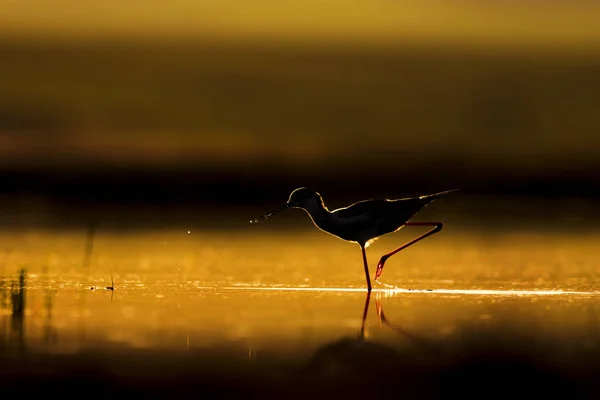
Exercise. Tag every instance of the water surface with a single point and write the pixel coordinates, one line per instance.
(256, 308)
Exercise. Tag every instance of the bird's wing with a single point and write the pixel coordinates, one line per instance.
(374, 208)
(388, 215)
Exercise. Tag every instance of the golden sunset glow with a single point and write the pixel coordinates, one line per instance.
(494, 22)
(142, 142)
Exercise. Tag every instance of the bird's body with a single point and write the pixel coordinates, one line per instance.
(364, 221)
(367, 220)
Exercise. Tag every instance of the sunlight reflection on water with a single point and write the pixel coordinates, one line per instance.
(210, 290)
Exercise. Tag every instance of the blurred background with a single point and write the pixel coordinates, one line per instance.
(148, 108)
(139, 138)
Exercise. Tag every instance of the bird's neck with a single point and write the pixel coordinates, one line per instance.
(319, 213)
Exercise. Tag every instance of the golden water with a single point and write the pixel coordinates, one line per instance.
(263, 300)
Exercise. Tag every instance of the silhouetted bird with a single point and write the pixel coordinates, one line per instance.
(363, 222)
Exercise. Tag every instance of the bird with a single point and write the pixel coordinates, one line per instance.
(363, 222)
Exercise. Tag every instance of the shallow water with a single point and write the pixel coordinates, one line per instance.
(277, 304)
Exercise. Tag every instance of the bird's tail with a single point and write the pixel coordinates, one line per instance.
(440, 194)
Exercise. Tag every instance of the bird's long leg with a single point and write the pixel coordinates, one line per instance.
(364, 255)
(437, 227)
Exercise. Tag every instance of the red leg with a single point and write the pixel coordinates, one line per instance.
(437, 228)
(366, 268)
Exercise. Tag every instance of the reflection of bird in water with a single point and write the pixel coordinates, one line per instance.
(421, 342)
(361, 368)
(349, 356)
(352, 354)
(363, 222)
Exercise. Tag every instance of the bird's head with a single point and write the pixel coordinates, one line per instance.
(304, 198)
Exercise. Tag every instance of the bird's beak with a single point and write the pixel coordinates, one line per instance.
(267, 215)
